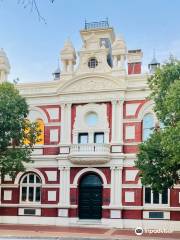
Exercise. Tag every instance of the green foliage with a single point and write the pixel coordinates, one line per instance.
(13, 131)
(159, 156)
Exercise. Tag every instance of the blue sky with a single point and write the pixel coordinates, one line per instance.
(33, 47)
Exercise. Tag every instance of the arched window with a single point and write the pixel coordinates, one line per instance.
(41, 129)
(30, 188)
(148, 126)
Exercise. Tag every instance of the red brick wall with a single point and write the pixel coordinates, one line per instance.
(45, 176)
(137, 196)
(44, 108)
(138, 130)
(175, 215)
(124, 176)
(44, 194)
(132, 214)
(141, 103)
(130, 148)
(174, 197)
(49, 212)
(8, 211)
(15, 195)
(47, 130)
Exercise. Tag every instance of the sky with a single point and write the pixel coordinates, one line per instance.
(33, 47)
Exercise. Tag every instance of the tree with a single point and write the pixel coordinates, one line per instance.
(159, 156)
(17, 134)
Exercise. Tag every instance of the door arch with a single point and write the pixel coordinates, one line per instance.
(90, 197)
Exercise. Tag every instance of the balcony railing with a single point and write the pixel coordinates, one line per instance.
(89, 153)
(90, 148)
(97, 25)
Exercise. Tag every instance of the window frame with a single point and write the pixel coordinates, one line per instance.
(160, 199)
(92, 62)
(100, 133)
(27, 185)
(83, 134)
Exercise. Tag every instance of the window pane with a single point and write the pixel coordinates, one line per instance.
(37, 194)
(147, 195)
(155, 197)
(31, 178)
(25, 180)
(37, 179)
(24, 193)
(165, 197)
(31, 194)
(83, 138)
(99, 138)
(148, 125)
(147, 133)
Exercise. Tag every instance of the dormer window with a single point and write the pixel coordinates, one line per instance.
(92, 63)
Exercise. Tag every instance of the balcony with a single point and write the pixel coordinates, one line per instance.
(89, 153)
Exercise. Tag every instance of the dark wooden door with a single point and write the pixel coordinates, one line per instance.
(90, 198)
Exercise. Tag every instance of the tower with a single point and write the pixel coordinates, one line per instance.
(4, 66)
(68, 57)
(153, 65)
(96, 53)
(119, 52)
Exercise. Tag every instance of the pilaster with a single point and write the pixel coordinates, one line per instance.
(64, 196)
(116, 186)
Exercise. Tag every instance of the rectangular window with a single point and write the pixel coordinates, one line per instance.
(147, 195)
(154, 197)
(37, 194)
(31, 178)
(156, 215)
(24, 193)
(31, 194)
(165, 197)
(83, 138)
(29, 211)
(99, 138)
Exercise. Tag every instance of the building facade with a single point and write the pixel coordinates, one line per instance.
(93, 115)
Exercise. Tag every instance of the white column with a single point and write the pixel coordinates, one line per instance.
(115, 61)
(113, 134)
(63, 124)
(70, 66)
(116, 186)
(64, 195)
(68, 125)
(64, 70)
(119, 122)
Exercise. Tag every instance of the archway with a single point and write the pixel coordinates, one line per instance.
(90, 197)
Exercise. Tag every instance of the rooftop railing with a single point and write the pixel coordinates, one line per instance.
(97, 25)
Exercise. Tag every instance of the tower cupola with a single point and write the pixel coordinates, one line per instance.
(153, 65)
(119, 52)
(68, 57)
(4, 66)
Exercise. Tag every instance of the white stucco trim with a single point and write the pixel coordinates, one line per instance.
(147, 108)
(19, 175)
(39, 114)
(85, 170)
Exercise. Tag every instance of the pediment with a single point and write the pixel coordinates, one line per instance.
(91, 84)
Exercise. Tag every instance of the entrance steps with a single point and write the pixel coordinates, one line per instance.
(90, 223)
